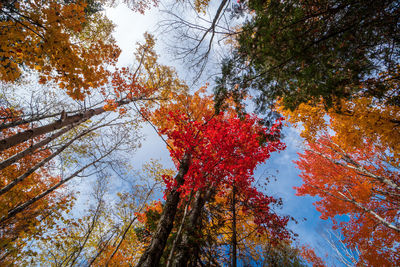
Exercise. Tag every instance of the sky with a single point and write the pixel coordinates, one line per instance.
(280, 168)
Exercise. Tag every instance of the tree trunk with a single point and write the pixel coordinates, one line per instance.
(17, 120)
(31, 201)
(234, 239)
(179, 233)
(21, 137)
(22, 177)
(151, 257)
(187, 246)
(31, 149)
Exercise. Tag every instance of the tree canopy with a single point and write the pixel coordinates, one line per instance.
(308, 50)
(71, 121)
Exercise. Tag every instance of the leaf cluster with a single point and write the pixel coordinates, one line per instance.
(302, 50)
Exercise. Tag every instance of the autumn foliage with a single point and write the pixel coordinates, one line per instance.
(309, 254)
(351, 161)
(223, 147)
(46, 36)
(37, 218)
(361, 185)
(224, 150)
(355, 119)
(329, 67)
(254, 240)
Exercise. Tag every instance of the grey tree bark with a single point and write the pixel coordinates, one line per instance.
(188, 248)
(151, 257)
(51, 127)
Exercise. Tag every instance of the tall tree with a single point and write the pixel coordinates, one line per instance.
(209, 150)
(303, 50)
(47, 36)
(355, 167)
(204, 236)
(36, 141)
(236, 223)
(21, 228)
(362, 184)
(106, 235)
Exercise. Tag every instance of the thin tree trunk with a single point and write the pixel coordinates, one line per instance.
(121, 240)
(178, 234)
(58, 124)
(151, 257)
(90, 230)
(9, 186)
(234, 239)
(99, 252)
(192, 230)
(31, 149)
(25, 121)
(129, 226)
(31, 201)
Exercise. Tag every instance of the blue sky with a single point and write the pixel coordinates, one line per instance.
(309, 226)
(130, 27)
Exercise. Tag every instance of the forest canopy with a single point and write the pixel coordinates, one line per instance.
(72, 119)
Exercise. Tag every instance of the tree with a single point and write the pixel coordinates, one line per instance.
(354, 168)
(130, 243)
(21, 228)
(231, 221)
(28, 201)
(106, 234)
(66, 245)
(302, 50)
(362, 184)
(150, 81)
(208, 150)
(50, 37)
(210, 240)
